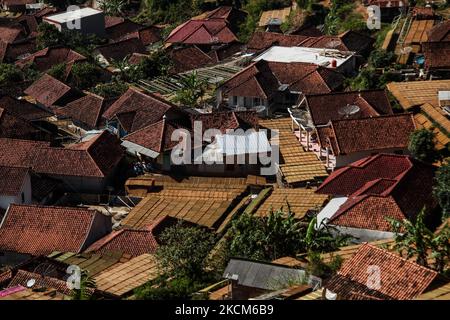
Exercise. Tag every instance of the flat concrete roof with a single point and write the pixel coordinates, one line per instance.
(318, 56)
(72, 15)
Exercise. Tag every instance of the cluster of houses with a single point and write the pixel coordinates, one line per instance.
(70, 193)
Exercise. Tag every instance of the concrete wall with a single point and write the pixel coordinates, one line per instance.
(5, 201)
(93, 24)
(101, 226)
(365, 235)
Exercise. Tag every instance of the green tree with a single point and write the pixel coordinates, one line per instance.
(9, 75)
(422, 147)
(58, 71)
(266, 238)
(380, 58)
(442, 189)
(87, 287)
(192, 90)
(110, 90)
(48, 36)
(183, 251)
(323, 238)
(85, 75)
(112, 7)
(414, 240)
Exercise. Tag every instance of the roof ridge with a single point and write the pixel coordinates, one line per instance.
(398, 257)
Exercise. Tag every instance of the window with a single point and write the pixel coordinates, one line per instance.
(23, 197)
(256, 102)
(398, 151)
(235, 101)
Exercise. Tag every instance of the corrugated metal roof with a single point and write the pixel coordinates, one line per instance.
(262, 275)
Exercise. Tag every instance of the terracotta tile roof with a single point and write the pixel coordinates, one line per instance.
(117, 51)
(227, 120)
(15, 127)
(326, 107)
(400, 279)
(440, 32)
(348, 180)
(264, 40)
(40, 230)
(188, 58)
(12, 180)
(301, 200)
(140, 109)
(45, 11)
(147, 35)
(22, 293)
(10, 51)
(95, 158)
(126, 277)
(47, 90)
(46, 58)
(23, 108)
(416, 93)
(156, 137)
(22, 277)
(10, 34)
(14, 152)
(371, 134)
(137, 58)
(347, 41)
(111, 21)
(263, 79)
(380, 186)
(202, 32)
(87, 110)
(437, 55)
(129, 241)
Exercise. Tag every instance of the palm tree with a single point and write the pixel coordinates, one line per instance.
(87, 287)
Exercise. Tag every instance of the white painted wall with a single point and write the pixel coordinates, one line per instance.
(329, 210)
(5, 201)
(365, 235)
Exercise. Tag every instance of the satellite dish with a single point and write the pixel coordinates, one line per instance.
(260, 109)
(330, 295)
(31, 283)
(349, 110)
(302, 116)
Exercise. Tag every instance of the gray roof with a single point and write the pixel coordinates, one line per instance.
(266, 276)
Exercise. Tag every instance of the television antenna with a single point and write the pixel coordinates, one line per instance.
(303, 117)
(45, 269)
(348, 110)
